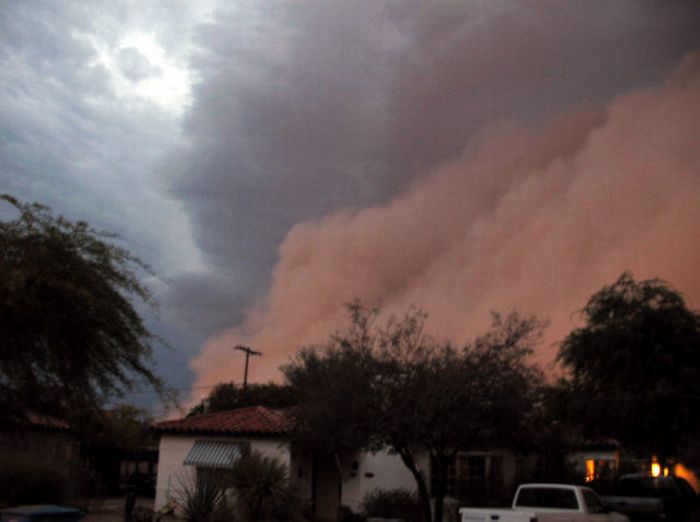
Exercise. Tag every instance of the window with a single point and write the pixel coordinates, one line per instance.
(215, 454)
(547, 498)
(475, 478)
(208, 477)
(477, 469)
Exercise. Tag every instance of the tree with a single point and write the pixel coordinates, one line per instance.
(125, 427)
(110, 435)
(637, 363)
(337, 390)
(70, 334)
(397, 388)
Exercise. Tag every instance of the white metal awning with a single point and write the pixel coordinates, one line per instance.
(215, 454)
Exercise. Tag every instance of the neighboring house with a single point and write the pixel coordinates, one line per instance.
(483, 478)
(215, 440)
(44, 439)
(44, 445)
(596, 460)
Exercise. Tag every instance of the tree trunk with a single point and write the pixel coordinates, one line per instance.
(423, 493)
(440, 488)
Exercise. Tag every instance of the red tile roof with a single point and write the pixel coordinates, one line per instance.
(255, 420)
(45, 421)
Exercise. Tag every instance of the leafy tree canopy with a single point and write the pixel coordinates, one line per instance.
(125, 427)
(70, 334)
(637, 363)
(393, 386)
(339, 377)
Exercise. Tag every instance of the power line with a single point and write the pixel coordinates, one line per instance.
(153, 392)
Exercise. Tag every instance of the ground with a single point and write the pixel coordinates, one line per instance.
(112, 510)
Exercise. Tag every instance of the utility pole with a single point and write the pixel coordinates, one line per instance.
(248, 353)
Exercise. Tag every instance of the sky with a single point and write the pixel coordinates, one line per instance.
(274, 160)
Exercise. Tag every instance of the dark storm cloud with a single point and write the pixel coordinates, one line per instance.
(205, 302)
(285, 119)
(304, 110)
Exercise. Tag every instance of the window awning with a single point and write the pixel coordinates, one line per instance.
(215, 454)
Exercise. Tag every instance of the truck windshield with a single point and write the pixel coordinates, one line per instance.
(547, 498)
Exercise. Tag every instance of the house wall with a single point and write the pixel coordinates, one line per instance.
(380, 470)
(579, 458)
(173, 450)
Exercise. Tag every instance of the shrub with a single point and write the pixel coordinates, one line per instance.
(263, 490)
(203, 499)
(345, 514)
(392, 503)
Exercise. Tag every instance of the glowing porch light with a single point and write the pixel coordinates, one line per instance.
(590, 470)
(655, 469)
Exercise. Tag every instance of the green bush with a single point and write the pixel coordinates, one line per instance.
(391, 503)
(25, 482)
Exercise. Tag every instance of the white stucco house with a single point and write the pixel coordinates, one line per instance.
(215, 440)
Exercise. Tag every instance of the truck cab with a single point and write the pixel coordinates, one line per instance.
(548, 503)
(557, 497)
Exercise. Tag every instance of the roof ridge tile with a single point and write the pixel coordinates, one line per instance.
(256, 419)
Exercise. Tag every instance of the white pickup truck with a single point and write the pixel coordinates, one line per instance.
(547, 503)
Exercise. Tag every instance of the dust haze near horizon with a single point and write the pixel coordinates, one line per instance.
(532, 219)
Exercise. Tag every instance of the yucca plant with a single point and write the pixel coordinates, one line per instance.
(263, 490)
(203, 499)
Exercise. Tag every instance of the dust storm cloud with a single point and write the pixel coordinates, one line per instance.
(528, 218)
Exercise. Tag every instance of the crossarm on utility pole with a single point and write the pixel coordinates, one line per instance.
(248, 352)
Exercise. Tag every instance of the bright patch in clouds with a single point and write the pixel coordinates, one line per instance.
(171, 87)
(140, 68)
